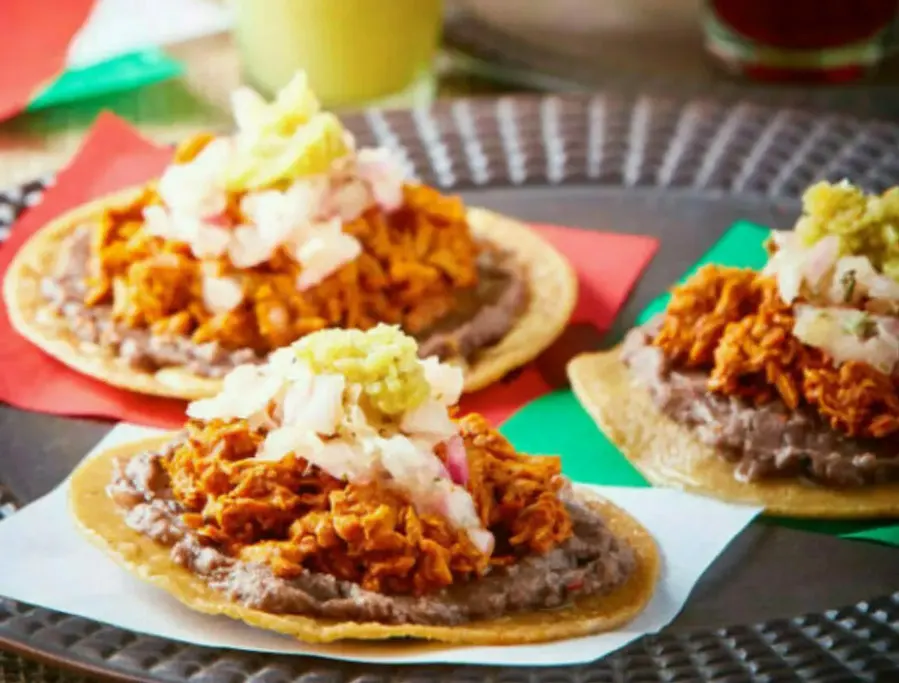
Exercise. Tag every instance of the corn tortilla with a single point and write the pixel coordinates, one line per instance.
(552, 286)
(98, 517)
(668, 454)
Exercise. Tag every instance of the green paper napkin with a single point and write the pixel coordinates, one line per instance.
(577, 440)
(883, 534)
(125, 72)
(587, 456)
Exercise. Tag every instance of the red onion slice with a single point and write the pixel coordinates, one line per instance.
(457, 460)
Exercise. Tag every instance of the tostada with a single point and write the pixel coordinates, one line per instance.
(776, 387)
(329, 494)
(247, 243)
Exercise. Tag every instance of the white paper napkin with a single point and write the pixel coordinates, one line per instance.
(116, 27)
(47, 563)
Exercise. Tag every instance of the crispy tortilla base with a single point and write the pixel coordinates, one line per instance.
(668, 454)
(100, 520)
(552, 286)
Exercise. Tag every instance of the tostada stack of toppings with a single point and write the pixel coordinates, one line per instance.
(249, 242)
(786, 378)
(330, 494)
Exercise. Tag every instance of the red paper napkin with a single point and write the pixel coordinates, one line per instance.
(114, 156)
(36, 35)
(608, 265)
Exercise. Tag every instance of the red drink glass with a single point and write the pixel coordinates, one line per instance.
(825, 41)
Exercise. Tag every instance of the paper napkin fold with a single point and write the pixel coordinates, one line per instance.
(115, 156)
(59, 51)
(34, 48)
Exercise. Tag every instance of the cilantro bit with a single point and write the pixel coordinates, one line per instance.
(862, 326)
(848, 282)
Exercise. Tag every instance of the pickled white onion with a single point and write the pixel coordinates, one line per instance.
(820, 259)
(483, 540)
(221, 294)
(831, 330)
(380, 169)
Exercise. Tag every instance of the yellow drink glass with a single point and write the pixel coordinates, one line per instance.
(353, 51)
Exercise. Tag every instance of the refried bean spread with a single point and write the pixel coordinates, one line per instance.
(763, 441)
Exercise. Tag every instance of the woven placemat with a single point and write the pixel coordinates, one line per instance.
(17, 670)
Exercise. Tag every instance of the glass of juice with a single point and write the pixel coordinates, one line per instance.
(354, 52)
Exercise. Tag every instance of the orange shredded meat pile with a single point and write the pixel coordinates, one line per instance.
(516, 496)
(412, 261)
(292, 516)
(734, 324)
(699, 311)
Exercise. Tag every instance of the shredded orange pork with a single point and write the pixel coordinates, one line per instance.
(516, 496)
(412, 261)
(294, 517)
(734, 324)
